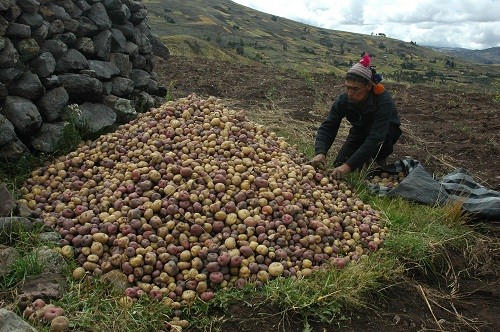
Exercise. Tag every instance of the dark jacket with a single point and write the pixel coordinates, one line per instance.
(370, 118)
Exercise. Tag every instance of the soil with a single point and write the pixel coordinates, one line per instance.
(444, 129)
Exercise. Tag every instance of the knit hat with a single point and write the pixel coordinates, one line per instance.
(362, 68)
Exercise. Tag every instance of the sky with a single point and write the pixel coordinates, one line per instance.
(471, 24)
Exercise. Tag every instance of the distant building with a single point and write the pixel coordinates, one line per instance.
(381, 34)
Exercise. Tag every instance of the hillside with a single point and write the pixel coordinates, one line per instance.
(487, 56)
(198, 28)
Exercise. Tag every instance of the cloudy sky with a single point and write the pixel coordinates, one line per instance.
(472, 24)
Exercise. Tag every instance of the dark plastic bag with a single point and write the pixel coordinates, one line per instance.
(420, 186)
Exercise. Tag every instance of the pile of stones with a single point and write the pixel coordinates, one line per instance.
(87, 63)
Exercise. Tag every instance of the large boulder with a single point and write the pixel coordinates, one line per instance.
(52, 103)
(23, 114)
(81, 88)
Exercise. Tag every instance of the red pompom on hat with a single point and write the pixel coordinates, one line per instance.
(362, 68)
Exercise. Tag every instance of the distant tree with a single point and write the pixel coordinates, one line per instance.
(241, 42)
(240, 50)
(381, 45)
(408, 65)
(342, 48)
(285, 47)
(274, 18)
(218, 39)
(325, 42)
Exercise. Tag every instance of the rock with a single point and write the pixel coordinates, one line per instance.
(99, 16)
(102, 42)
(56, 27)
(12, 13)
(3, 92)
(6, 4)
(23, 114)
(7, 132)
(81, 88)
(9, 57)
(86, 27)
(85, 46)
(10, 225)
(104, 69)
(71, 61)
(27, 86)
(120, 15)
(139, 16)
(118, 41)
(8, 75)
(49, 138)
(112, 4)
(122, 61)
(69, 38)
(71, 8)
(49, 237)
(43, 65)
(28, 49)
(56, 12)
(8, 203)
(30, 6)
(40, 33)
(124, 108)
(52, 261)
(97, 116)
(47, 286)
(8, 256)
(82, 4)
(52, 102)
(141, 79)
(32, 19)
(122, 87)
(144, 44)
(13, 150)
(17, 30)
(54, 47)
(159, 48)
(10, 322)
(50, 82)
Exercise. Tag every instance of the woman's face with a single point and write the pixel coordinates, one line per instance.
(357, 91)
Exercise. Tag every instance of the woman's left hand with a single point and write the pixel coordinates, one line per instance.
(340, 172)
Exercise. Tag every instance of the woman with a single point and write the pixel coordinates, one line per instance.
(373, 116)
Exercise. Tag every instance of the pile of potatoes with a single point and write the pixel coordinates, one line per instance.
(192, 197)
(387, 180)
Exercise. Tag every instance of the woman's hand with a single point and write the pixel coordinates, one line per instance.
(318, 161)
(340, 172)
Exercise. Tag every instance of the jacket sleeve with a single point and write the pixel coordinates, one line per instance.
(385, 107)
(327, 131)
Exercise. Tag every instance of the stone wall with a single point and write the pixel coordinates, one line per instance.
(85, 62)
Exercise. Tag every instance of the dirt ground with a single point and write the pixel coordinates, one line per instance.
(443, 129)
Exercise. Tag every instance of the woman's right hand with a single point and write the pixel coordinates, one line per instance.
(318, 161)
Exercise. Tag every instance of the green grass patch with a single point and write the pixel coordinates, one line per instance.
(28, 264)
